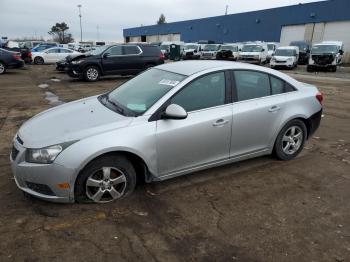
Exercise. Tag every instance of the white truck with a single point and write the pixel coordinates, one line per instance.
(285, 56)
(255, 53)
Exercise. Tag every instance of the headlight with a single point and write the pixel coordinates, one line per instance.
(75, 62)
(273, 59)
(45, 155)
(290, 59)
(257, 57)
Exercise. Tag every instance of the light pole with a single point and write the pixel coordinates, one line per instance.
(81, 29)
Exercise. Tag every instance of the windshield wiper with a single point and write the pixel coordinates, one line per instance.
(117, 107)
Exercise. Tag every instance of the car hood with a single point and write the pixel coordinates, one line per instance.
(250, 53)
(69, 122)
(79, 56)
(282, 58)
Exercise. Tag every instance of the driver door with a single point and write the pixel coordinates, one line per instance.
(204, 136)
(51, 55)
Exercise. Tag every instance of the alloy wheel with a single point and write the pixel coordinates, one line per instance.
(106, 184)
(292, 140)
(2, 68)
(92, 74)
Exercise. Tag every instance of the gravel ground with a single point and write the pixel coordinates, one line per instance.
(257, 210)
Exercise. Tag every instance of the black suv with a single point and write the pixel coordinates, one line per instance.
(9, 59)
(304, 51)
(123, 59)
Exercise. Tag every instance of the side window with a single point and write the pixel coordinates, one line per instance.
(289, 88)
(131, 50)
(204, 92)
(115, 50)
(277, 85)
(52, 51)
(250, 84)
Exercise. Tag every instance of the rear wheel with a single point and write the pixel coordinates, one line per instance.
(91, 73)
(38, 60)
(291, 139)
(2, 68)
(105, 179)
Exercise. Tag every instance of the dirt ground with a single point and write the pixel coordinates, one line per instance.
(256, 210)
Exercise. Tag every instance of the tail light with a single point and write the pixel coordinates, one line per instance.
(162, 56)
(319, 97)
(29, 54)
(17, 56)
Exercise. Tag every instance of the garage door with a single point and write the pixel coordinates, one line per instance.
(292, 33)
(339, 31)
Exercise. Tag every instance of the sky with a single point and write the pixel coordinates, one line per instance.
(105, 19)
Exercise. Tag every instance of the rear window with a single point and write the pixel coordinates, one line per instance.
(151, 50)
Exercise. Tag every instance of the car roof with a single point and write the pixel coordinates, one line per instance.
(288, 47)
(191, 67)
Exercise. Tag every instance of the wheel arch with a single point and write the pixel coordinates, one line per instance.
(143, 175)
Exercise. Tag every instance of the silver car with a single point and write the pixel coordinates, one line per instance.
(171, 120)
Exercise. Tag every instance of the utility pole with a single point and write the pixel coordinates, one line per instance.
(226, 9)
(81, 29)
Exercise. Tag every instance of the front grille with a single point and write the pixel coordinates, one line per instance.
(14, 153)
(40, 188)
(323, 59)
(280, 62)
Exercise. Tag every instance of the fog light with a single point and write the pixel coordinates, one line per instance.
(64, 186)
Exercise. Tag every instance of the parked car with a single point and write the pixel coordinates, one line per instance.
(26, 54)
(254, 53)
(9, 59)
(52, 55)
(171, 120)
(271, 48)
(43, 46)
(191, 51)
(209, 51)
(285, 56)
(128, 59)
(326, 55)
(228, 52)
(304, 51)
(62, 65)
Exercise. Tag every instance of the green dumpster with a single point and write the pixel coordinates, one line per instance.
(175, 52)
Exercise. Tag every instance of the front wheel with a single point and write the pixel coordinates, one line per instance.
(38, 60)
(91, 73)
(291, 139)
(105, 179)
(2, 68)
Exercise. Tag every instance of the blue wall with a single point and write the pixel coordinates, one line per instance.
(264, 25)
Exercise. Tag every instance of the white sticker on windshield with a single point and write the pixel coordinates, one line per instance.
(168, 82)
(137, 107)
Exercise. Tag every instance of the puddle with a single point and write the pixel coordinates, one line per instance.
(43, 86)
(52, 98)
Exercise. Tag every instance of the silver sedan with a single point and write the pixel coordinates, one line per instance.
(171, 120)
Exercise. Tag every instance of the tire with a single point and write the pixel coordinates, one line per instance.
(287, 145)
(91, 73)
(2, 68)
(101, 188)
(39, 60)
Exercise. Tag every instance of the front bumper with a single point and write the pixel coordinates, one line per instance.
(249, 60)
(281, 64)
(314, 122)
(73, 72)
(41, 180)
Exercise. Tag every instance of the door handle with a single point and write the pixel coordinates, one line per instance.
(274, 109)
(220, 122)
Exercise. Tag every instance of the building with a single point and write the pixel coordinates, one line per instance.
(314, 22)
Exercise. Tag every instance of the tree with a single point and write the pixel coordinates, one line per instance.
(58, 33)
(161, 20)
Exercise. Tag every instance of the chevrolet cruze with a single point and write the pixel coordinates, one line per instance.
(171, 120)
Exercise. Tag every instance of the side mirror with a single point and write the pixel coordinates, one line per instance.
(263, 50)
(105, 55)
(174, 111)
(240, 50)
(341, 52)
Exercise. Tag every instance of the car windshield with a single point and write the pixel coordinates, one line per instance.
(320, 49)
(164, 47)
(270, 47)
(252, 48)
(210, 48)
(302, 46)
(98, 50)
(187, 47)
(229, 47)
(140, 93)
(285, 52)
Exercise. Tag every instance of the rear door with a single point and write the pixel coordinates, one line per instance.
(112, 60)
(52, 55)
(132, 58)
(257, 111)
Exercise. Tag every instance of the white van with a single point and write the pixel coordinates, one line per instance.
(271, 48)
(254, 53)
(191, 51)
(285, 56)
(209, 51)
(327, 54)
